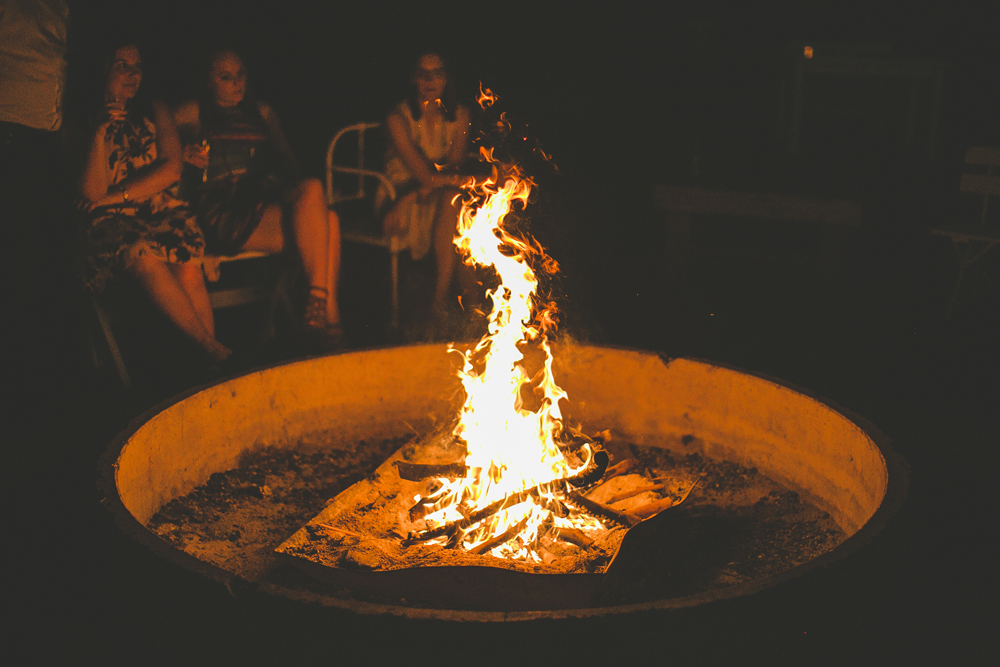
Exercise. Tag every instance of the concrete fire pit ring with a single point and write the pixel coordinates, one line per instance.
(838, 461)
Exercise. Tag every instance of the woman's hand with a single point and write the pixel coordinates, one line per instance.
(115, 198)
(113, 112)
(197, 155)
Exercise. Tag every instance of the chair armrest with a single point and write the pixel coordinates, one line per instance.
(332, 199)
(331, 168)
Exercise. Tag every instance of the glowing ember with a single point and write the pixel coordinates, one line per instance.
(510, 422)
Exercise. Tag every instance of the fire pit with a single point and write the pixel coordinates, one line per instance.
(678, 410)
(529, 495)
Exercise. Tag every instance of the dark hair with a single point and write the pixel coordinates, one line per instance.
(449, 100)
(140, 106)
(207, 108)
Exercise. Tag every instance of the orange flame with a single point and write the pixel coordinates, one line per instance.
(486, 97)
(510, 448)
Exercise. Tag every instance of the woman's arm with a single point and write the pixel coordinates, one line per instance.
(187, 118)
(154, 177)
(282, 151)
(162, 172)
(94, 178)
(408, 152)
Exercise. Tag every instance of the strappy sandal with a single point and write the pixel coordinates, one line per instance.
(314, 317)
(323, 335)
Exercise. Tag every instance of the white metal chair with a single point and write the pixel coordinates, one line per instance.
(362, 225)
(972, 241)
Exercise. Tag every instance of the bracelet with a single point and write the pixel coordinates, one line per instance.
(121, 188)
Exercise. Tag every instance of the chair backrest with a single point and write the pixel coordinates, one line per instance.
(344, 156)
(988, 184)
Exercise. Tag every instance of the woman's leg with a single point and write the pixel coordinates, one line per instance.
(165, 290)
(316, 236)
(445, 252)
(192, 281)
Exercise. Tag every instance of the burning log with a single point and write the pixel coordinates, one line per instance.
(574, 536)
(603, 511)
(416, 472)
(622, 467)
(422, 508)
(489, 545)
(591, 475)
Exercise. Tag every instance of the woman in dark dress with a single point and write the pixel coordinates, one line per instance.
(134, 221)
(249, 196)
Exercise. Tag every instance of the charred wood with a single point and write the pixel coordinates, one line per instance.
(415, 472)
(574, 536)
(488, 546)
(603, 511)
(591, 475)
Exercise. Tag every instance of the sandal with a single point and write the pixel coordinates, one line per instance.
(324, 336)
(314, 317)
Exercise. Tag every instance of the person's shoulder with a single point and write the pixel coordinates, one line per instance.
(401, 110)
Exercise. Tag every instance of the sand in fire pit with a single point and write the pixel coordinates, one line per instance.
(736, 525)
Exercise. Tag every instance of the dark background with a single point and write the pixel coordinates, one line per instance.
(624, 96)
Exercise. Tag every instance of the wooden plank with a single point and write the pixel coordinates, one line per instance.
(682, 199)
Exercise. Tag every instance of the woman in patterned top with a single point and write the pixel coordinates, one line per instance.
(135, 222)
(248, 193)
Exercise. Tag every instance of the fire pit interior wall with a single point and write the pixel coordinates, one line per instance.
(684, 405)
(692, 406)
(332, 400)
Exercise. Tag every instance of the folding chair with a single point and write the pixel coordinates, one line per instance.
(360, 224)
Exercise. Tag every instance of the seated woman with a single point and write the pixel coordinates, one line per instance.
(427, 131)
(248, 195)
(134, 221)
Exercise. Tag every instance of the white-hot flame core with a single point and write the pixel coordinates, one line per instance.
(510, 448)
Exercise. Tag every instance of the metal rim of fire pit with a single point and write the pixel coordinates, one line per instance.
(897, 483)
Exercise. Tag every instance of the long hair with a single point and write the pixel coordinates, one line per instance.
(139, 107)
(207, 108)
(449, 99)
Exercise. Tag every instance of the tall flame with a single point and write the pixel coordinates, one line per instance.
(510, 447)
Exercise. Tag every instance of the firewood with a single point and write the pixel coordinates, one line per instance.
(415, 472)
(655, 507)
(574, 536)
(621, 468)
(603, 511)
(421, 509)
(592, 474)
(633, 492)
(488, 546)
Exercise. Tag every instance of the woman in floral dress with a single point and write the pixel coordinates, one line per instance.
(135, 223)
